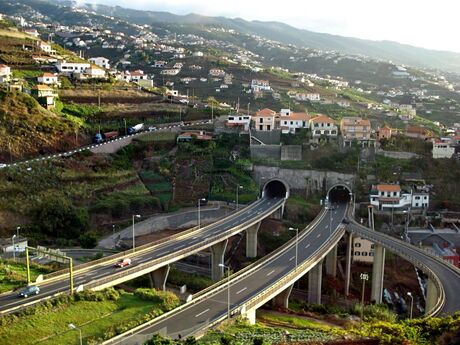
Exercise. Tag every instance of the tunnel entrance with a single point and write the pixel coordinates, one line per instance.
(276, 189)
(339, 194)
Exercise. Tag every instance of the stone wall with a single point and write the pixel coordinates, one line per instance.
(291, 152)
(266, 151)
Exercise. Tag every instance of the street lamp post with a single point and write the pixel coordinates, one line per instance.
(134, 234)
(72, 326)
(199, 210)
(411, 303)
(364, 277)
(238, 187)
(296, 244)
(14, 249)
(17, 231)
(228, 289)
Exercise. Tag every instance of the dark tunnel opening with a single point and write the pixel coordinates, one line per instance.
(275, 189)
(339, 194)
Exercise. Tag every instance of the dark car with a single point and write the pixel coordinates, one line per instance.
(345, 221)
(29, 290)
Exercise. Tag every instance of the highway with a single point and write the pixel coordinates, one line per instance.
(447, 274)
(161, 254)
(199, 315)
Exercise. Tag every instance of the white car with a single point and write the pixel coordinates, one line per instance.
(151, 129)
(3, 165)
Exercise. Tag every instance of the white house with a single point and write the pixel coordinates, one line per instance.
(100, 61)
(391, 196)
(67, 68)
(239, 121)
(258, 85)
(170, 71)
(323, 125)
(138, 75)
(198, 54)
(48, 79)
(46, 47)
(291, 121)
(159, 64)
(217, 72)
(94, 72)
(313, 97)
(442, 149)
(363, 250)
(5, 73)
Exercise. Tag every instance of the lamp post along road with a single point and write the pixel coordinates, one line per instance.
(238, 187)
(72, 326)
(364, 277)
(411, 303)
(14, 249)
(228, 289)
(296, 244)
(199, 210)
(134, 234)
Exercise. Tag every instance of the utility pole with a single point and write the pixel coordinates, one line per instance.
(364, 277)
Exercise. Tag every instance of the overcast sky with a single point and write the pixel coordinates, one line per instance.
(425, 23)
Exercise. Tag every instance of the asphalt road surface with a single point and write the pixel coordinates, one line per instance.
(258, 208)
(197, 316)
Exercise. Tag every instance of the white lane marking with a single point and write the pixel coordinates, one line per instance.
(163, 253)
(308, 245)
(326, 226)
(292, 258)
(194, 238)
(270, 272)
(204, 311)
(181, 246)
(318, 236)
(241, 290)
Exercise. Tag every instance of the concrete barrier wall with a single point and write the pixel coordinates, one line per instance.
(291, 152)
(266, 151)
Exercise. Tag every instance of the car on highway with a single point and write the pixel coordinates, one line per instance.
(152, 128)
(29, 290)
(345, 221)
(123, 262)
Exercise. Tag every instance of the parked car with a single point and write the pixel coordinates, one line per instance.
(123, 262)
(29, 290)
(345, 221)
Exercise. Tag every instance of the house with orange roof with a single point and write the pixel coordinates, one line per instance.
(388, 197)
(45, 95)
(291, 121)
(384, 133)
(48, 79)
(443, 148)
(265, 120)
(323, 125)
(355, 129)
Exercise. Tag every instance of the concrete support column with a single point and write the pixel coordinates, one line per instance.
(331, 262)
(348, 263)
(250, 315)
(315, 276)
(431, 295)
(251, 240)
(370, 215)
(159, 277)
(378, 270)
(282, 299)
(217, 257)
(278, 214)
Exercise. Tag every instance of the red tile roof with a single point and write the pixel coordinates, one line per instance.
(265, 113)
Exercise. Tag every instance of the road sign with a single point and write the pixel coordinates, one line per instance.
(364, 276)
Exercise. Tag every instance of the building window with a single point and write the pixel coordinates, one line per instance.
(285, 122)
(261, 120)
(364, 254)
(357, 245)
(357, 253)
(261, 127)
(268, 127)
(372, 246)
(371, 254)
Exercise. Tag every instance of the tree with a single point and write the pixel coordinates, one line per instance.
(88, 240)
(56, 216)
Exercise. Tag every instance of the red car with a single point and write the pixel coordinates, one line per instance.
(123, 262)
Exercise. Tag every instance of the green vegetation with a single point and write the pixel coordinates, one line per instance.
(158, 137)
(194, 282)
(13, 274)
(100, 315)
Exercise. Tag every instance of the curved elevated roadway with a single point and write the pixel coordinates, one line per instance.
(250, 288)
(102, 273)
(447, 275)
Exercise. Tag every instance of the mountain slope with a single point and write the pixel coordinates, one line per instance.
(388, 50)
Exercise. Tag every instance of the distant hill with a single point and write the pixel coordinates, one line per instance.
(387, 50)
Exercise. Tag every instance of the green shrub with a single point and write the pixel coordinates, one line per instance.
(88, 239)
(165, 299)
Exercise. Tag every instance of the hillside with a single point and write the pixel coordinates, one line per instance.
(26, 128)
(387, 50)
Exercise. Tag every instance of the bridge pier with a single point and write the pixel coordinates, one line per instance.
(331, 262)
(378, 269)
(315, 276)
(159, 277)
(348, 263)
(217, 258)
(250, 315)
(251, 240)
(431, 295)
(282, 299)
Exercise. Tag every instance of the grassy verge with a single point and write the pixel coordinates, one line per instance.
(99, 315)
(14, 275)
